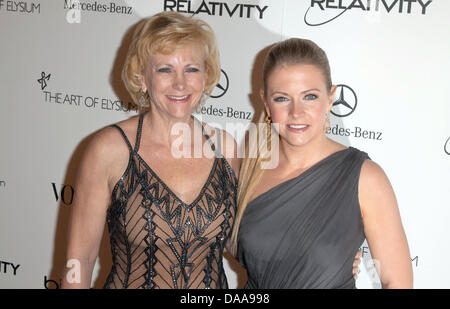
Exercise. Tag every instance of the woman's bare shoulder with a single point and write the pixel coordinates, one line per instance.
(107, 149)
(109, 138)
(375, 189)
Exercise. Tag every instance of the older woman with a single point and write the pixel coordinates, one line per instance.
(168, 217)
(300, 224)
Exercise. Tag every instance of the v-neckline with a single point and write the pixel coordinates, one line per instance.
(189, 206)
(301, 175)
(174, 195)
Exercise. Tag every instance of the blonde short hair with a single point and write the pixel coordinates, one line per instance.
(164, 33)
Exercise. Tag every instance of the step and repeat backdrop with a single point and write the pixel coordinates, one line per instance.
(60, 64)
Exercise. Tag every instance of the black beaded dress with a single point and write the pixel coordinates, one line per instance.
(158, 241)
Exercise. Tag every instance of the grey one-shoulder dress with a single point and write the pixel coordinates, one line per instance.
(305, 232)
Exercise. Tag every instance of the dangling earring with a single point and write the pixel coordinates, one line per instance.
(327, 122)
(203, 99)
(143, 100)
(268, 121)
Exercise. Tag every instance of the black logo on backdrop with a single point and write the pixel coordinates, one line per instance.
(342, 6)
(346, 103)
(215, 8)
(43, 80)
(20, 6)
(320, 23)
(77, 100)
(222, 86)
(219, 90)
(51, 284)
(447, 146)
(98, 7)
(8, 268)
(2, 183)
(365, 252)
(65, 194)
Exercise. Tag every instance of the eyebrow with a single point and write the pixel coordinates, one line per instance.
(284, 93)
(168, 64)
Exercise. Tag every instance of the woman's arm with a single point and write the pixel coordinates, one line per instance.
(383, 228)
(88, 214)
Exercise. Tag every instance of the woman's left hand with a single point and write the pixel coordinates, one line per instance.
(356, 263)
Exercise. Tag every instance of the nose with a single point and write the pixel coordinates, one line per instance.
(179, 82)
(297, 109)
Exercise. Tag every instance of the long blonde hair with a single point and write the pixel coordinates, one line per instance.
(291, 51)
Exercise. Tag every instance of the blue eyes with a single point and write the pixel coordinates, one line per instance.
(308, 97)
(164, 70)
(280, 99)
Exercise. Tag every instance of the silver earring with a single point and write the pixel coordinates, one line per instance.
(203, 99)
(327, 121)
(143, 100)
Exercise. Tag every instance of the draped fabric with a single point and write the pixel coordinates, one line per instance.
(305, 232)
(158, 241)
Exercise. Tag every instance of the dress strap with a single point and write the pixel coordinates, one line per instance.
(123, 135)
(139, 131)
(218, 150)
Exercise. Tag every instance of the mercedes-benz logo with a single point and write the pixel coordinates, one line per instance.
(222, 86)
(447, 146)
(345, 104)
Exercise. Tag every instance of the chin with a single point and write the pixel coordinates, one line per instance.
(181, 113)
(297, 141)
